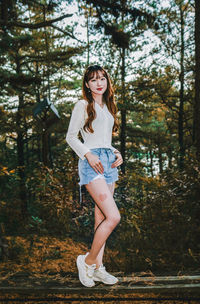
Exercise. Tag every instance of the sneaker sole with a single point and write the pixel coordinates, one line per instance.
(78, 263)
(99, 280)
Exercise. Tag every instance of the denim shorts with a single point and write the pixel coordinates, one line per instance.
(87, 173)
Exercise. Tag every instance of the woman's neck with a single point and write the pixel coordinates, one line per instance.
(98, 99)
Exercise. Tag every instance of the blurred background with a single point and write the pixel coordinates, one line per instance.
(151, 51)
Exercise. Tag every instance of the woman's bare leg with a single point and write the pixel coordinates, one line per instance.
(99, 217)
(102, 196)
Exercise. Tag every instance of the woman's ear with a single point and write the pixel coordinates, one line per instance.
(87, 85)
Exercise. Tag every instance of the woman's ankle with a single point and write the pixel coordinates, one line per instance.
(89, 260)
(98, 264)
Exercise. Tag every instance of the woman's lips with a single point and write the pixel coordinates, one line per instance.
(99, 89)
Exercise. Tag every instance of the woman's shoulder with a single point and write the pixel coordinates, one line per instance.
(81, 103)
(80, 107)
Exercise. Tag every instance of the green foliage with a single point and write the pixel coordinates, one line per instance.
(50, 203)
(160, 221)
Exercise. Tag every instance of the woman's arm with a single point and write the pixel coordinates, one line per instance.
(114, 150)
(119, 159)
(76, 123)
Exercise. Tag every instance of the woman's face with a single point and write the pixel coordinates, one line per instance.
(97, 84)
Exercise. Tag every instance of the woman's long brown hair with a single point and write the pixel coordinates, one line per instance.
(108, 97)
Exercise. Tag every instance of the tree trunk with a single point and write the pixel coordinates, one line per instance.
(160, 160)
(38, 140)
(21, 164)
(50, 151)
(169, 155)
(181, 98)
(196, 133)
(3, 244)
(47, 55)
(45, 148)
(20, 152)
(151, 162)
(123, 113)
(88, 12)
(74, 164)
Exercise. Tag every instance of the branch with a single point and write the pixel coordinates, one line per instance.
(58, 55)
(115, 6)
(66, 33)
(33, 26)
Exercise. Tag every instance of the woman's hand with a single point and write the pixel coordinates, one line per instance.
(94, 162)
(118, 161)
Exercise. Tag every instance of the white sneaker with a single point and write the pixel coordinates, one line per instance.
(101, 275)
(85, 272)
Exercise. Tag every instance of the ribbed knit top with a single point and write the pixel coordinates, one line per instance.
(102, 126)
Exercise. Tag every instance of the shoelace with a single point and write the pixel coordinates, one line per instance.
(102, 269)
(90, 270)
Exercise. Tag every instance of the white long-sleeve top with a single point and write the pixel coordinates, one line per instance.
(102, 126)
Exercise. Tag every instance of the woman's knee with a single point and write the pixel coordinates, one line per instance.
(99, 216)
(98, 221)
(114, 219)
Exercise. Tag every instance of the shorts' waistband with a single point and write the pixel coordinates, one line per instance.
(101, 149)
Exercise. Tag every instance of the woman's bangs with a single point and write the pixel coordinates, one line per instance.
(95, 74)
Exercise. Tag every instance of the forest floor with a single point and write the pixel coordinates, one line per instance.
(45, 254)
(50, 261)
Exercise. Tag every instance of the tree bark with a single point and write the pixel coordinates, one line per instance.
(88, 12)
(181, 98)
(45, 148)
(196, 134)
(3, 244)
(74, 164)
(160, 160)
(169, 155)
(47, 56)
(21, 164)
(20, 152)
(151, 162)
(123, 114)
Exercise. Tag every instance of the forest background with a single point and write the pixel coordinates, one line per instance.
(151, 50)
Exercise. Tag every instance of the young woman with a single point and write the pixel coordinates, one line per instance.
(95, 118)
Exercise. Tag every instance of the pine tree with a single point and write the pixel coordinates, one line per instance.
(197, 80)
(121, 22)
(33, 54)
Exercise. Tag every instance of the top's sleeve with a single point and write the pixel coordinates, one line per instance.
(76, 123)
